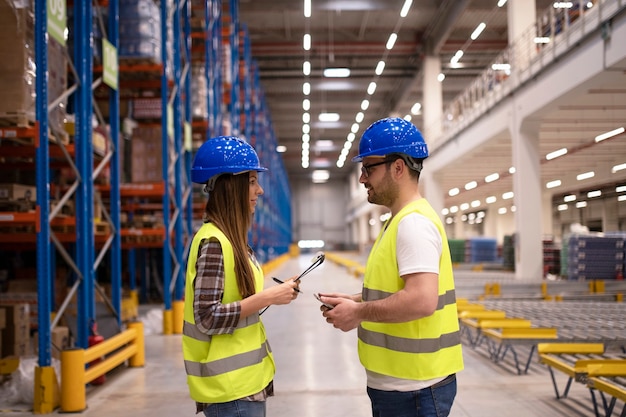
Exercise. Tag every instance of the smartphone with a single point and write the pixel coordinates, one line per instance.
(328, 306)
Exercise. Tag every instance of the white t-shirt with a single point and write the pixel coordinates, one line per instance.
(418, 249)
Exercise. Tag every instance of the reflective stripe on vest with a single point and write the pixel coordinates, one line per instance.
(192, 330)
(232, 363)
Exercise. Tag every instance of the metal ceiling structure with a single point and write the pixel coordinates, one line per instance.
(353, 34)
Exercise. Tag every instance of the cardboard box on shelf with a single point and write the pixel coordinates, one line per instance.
(16, 334)
(13, 192)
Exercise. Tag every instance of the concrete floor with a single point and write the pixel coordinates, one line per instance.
(318, 371)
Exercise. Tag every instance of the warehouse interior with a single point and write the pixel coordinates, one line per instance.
(523, 110)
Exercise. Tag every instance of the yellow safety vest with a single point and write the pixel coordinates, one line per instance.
(421, 349)
(224, 367)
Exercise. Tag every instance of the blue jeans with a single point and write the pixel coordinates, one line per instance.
(428, 402)
(237, 408)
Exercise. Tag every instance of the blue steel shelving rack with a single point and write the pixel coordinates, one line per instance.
(85, 261)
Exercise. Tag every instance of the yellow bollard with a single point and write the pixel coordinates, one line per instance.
(139, 358)
(46, 390)
(599, 288)
(167, 322)
(178, 309)
(73, 381)
(619, 297)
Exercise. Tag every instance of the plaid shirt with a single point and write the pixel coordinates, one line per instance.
(211, 316)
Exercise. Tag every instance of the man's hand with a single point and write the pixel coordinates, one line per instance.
(345, 315)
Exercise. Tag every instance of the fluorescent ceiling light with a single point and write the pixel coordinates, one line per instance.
(492, 177)
(359, 117)
(405, 8)
(561, 207)
(365, 104)
(501, 67)
(512, 170)
(585, 175)
(306, 128)
(307, 8)
(445, 212)
(563, 4)
(620, 189)
(328, 117)
(407, 117)
(475, 203)
(441, 77)
(391, 41)
(371, 88)
(306, 68)
(569, 198)
(491, 199)
(306, 104)
(306, 42)
(501, 3)
(281, 149)
(610, 134)
(453, 191)
(337, 72)
(479, 29)
(542, 39)
(306, 89)
(593, 194)
(306, 117)
(415, 109)
(507, 195)
(454, 209)
(306, 138)
(351, 136)
(455, 59)
(581, 204)
(471, 185)
(324, 143)
(354, 128)
(464, 206)
(502, 210)
(556, 154)
(621, 198)
(320, 175)
(553, 184)
(618, 168)
(380, 67)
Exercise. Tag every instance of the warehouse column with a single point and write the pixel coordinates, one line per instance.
(527, 199)
(431, 189)
(432, 107)
(610, 215)
(520, 18)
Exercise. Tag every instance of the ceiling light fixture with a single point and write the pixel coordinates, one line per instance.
(337, 72)
(391, 41)
(328, 117)
(618, 168)
(453, 191)
(307, 8)
(553, 184)
(306, 68)
(556, 154)
(501, 3)
(380, 67)
(306, 42)
(610, 134)
(405, 8)
(569, 198)
(415, 109)
(479, 29)
(594, 193)
(585, 175)
(371, 88)
(492, 177)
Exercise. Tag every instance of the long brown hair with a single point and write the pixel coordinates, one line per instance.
(228, 208)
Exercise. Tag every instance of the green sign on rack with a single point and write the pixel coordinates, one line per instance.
(57, 20)
(109, 64)
(188, 141)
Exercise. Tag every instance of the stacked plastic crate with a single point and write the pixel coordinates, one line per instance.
(595, 257)
(457, 250)
(481, 249)
(140, 30)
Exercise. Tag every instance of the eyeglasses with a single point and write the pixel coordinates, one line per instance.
(366, 169)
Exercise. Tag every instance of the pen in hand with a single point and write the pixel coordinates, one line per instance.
(282, 282)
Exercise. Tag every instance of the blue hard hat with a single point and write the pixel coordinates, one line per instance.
(392, 135)
(224, 155)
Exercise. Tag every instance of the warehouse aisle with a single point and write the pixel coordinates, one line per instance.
(318, 372)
